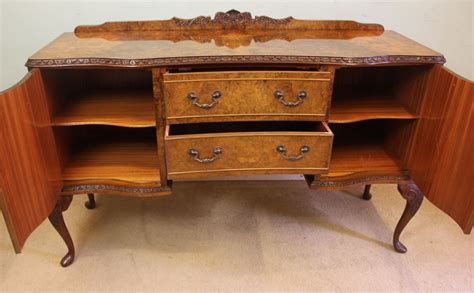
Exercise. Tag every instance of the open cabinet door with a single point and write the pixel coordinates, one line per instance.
(441, 161)
(30, 179)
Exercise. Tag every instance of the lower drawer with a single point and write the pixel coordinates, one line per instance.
(233, 149)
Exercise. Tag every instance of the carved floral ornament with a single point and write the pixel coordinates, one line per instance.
(231, 18)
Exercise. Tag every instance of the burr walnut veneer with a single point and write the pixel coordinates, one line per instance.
(127, 107)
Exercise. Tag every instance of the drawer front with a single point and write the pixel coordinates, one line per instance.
(223, 96)
(247, 153)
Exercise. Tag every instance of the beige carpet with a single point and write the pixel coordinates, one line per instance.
(244, 236)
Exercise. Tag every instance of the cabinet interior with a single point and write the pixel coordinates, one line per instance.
(388, 92)
(108, 153)
(104, 124)
(367, 146)
(101, 97)
(373, 112)
(111, 115)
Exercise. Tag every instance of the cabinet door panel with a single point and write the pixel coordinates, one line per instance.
(30, 178)
(442, 157)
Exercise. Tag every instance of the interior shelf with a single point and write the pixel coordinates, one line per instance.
(359, 109)
(365, 147)
(367, 93)
(367, 157)
(132, 161)
(119, 107)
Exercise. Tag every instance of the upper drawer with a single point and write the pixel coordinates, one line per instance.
(247, 95)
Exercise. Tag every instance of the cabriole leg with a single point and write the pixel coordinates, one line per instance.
(57, 220)
(367, 195)
(414, 198)
(90, 204)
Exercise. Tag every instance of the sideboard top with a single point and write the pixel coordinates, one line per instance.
(231, 37)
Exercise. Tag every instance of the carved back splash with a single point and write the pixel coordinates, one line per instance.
(231, 19)
(239, 25)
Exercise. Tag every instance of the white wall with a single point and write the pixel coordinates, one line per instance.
(26, 26)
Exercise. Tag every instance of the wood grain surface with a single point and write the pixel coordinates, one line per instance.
(231, 38)
(248, 151)
(246, 94)
(160, 110)
(356, 109)
(362, 154)
(362, 157)
(30, 176)
(441, 159)
(223, 21)
(134, 162)
(127, 108)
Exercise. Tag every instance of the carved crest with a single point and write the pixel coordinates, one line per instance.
(231, 18)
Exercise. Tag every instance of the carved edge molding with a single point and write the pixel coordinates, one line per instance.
(328, 183)
(198, 60)
(107, 187)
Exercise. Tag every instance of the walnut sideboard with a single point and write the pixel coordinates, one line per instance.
(128, 107)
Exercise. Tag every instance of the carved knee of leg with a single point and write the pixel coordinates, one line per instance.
(414, 198)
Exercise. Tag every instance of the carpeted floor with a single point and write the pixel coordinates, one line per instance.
(244, 236)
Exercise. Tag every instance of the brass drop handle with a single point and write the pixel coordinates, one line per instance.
(281, 98)
(214, 99)
(195, 154)
(282, 150)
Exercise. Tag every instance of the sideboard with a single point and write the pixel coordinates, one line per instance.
(127, 107)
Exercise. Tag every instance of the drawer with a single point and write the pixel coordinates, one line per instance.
(247, 95)
(245, 148)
